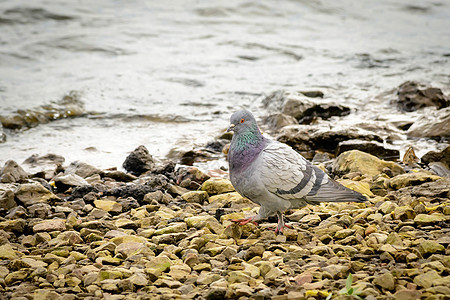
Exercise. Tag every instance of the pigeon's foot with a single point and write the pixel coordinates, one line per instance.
(245, 221)
(281, 223)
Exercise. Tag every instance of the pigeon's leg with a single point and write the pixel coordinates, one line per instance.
(281, 223)
(246, 220)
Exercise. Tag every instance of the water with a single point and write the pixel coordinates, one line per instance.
(167, 74)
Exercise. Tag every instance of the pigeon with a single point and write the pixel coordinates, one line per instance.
(275, 176)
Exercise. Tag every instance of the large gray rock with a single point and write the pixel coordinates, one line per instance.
(139, 161)
(412, 96)
(12, 172)
(82, 169)
(435, 124)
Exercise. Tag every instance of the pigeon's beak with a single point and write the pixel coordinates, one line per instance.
(231, 128)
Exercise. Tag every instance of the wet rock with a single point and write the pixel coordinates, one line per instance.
(357, 161)
(64, 182)
(323, 136)
(303, 108)
(191, 178)
(139, 161)
(82, 169)
(277, 121)
(413, 96)
(386, 281)
(415, 178)
(432, 125)
(439, 188)
(46, 165)
(32, 193)
(215, 186)
(12, 172)
(438, 156)
(372, 147)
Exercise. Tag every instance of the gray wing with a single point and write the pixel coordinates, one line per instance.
(290, 176)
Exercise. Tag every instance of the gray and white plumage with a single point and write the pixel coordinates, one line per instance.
(275, 176)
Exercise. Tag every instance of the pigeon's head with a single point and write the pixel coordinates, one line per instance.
(242, 121)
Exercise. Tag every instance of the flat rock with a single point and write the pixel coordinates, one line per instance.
(108, 205)
(372, 147)
(415, 178)
(32, 193)
(7, 252)
(358, 161)
(50, 225)
(431, 125)
(424, 220)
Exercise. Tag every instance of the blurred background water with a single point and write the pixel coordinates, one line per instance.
(168, 74)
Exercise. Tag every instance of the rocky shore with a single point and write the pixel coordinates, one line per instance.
(161, 231)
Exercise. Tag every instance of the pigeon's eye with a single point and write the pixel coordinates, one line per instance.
(242, 121)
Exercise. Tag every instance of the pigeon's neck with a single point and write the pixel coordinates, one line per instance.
(251, 138)
(245, 147)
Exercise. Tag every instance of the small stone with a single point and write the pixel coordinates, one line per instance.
(256, 250)
(238, 276)
(7, 252)
(205, 221)
(404, 213)
(195, 197)
(156, 266)
(387, 207)
(426, 280)
(206, 278)
(180, 271)
(174, 228)
(386, 281)
(424, 220)
(15, 277)
(429, 247)
(63, 182)
(16, 226)
(202, 267)
(215, 186)
(108, 205)
(415, 178)
(32, 193)
(138, 279)
(406, 294)
(251, 270)
(50, 225)
(274, 273)
(341, 234)
(337, 271)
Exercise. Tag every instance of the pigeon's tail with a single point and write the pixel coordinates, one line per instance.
(333, 191)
